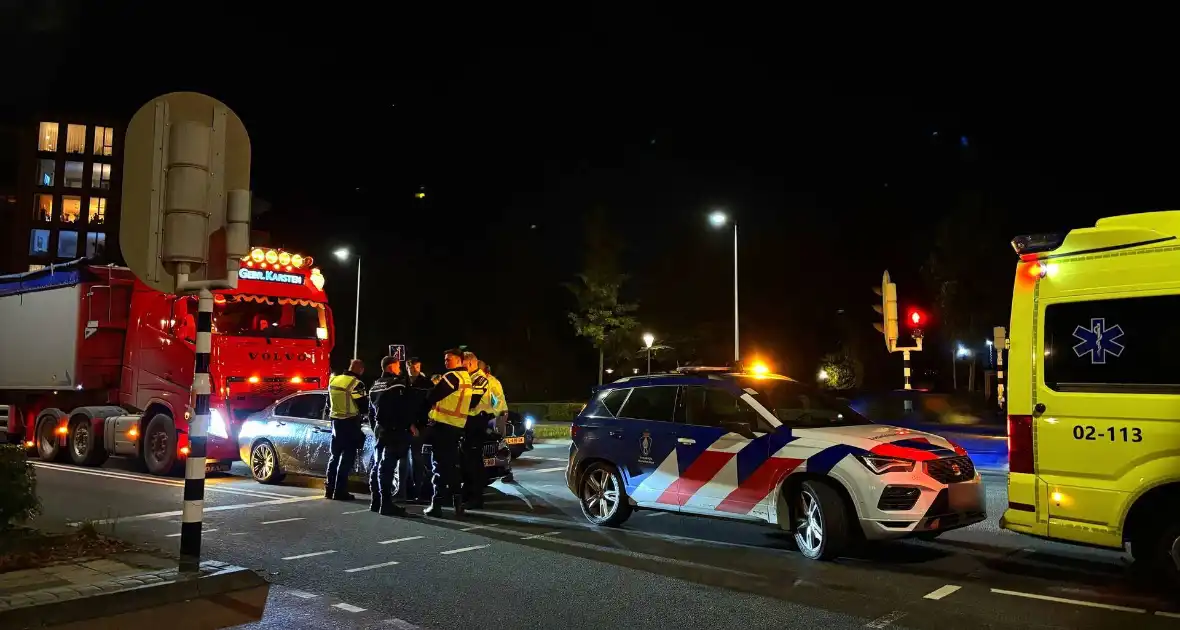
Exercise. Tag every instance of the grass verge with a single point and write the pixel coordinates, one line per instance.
(551, 432)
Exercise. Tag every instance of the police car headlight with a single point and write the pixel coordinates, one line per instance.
(528, 423)
(217, 424)
(882, 465)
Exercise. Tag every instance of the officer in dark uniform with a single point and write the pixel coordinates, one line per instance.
(450, 404)
(392, 420)
(414, 486)
(346, 399)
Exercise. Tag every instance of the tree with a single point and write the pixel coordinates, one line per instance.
(601, 317)
(841, 369)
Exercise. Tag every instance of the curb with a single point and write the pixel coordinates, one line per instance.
(132, 594)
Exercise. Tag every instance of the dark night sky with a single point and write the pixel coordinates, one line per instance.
(834, 173)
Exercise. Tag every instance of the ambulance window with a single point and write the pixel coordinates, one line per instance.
(1124, 345)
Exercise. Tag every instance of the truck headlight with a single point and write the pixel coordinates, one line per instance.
(528, 423)
(217, 424)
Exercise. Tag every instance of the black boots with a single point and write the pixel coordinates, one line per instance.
(457, 502)
(436, 509)
(375, 504)
(389, 508)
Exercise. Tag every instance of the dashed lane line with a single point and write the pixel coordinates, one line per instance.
(354, 512)
(370, 567)
(462, 550)
(348, 607)
(1161, 613)
(1062, 600)
(942, 592)
(284, 520)
(535, 536)
(401, 624)
(310, 555)
(203, 531)
(216, 508)
(544, 459)
(539, 470)
(475, 527)
(303, 594)
(886, 620)
(397, 540)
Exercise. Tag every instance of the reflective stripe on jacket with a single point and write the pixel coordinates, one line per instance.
(343, 392)
(454, 409)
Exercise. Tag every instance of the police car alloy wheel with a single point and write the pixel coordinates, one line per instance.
(602, 497)
(821, 526)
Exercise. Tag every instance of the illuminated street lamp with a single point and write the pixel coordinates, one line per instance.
(343, 255)
(718, 219)
(963, 351)
(648, 339)
(823, 375)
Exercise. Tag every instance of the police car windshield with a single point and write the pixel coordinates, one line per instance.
(801, 406)
(270, 317)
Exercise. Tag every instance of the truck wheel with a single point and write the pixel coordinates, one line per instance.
(821, 522)
(85, 445)
(48, 446)
(1158, 550)
(159, 446)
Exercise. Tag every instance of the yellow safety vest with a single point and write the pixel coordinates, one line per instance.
(454, 409)
(496, 392)
(343, 392)
(479, 387)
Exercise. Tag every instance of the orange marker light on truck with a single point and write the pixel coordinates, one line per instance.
(253, 379)
(133, 433)
(62, 430)
(184, 450)
(296, 380)
(29, 444)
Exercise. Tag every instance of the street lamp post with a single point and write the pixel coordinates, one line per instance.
(648, 339)
(343, 254)
(718, 218)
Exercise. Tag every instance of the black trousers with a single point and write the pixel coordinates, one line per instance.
(444, 449)
(475, 476)
(340, 465)
(388, 454)
(414, 483)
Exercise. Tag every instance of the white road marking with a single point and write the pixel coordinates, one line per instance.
(885, 621)
(111, 474)
(1160, 613)
(540, 470)
(462, 549)
(309, 555)
(655, 514)
(237, 533)
(545, 459)
(355, 512)
(397, 540)
(203, 531)
(401, 624)
(303, 594)
(475, 527)
(370, 567)
(216, 508)
(284, 520)
(1062, 600)
(348, 607)
(942, 592)
(545, 535)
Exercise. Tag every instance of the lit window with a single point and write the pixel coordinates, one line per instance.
(45, 170)
(47, 138)
(104, 140)
(42, 207)
(75, 138)
(39, 243)
(98, 211)
(67, 244)
(73, 175)
(101, 177)
(95, 244)
(71, 209)
(37, 267)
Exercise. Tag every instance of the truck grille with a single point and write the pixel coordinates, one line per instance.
(951, 469)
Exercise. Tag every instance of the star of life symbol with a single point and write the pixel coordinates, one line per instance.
(1098, 341)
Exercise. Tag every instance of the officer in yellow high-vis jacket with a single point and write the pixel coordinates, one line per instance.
(476, 434)
(450, 404)
(346, 400)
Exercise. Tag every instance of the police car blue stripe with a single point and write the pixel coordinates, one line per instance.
(824, 461)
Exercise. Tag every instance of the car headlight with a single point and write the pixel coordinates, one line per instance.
(217, 424)
(528, 423)
(881, 465)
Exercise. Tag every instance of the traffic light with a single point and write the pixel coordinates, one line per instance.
(916, 318)
(888, 311)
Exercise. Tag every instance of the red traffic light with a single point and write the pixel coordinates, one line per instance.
(916, 317)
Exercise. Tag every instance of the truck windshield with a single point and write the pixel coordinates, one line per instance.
(270, 317)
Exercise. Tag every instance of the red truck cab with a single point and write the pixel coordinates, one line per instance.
(117, 380)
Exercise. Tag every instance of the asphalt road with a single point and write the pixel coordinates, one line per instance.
(531, 561)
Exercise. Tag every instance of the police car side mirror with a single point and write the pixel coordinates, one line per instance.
(740, 428)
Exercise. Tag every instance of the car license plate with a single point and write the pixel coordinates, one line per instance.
(217, 467)
(514, 440)
(489, 462)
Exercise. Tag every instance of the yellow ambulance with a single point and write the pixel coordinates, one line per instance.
(1094, 388)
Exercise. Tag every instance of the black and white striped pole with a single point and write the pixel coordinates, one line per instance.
(194, 467)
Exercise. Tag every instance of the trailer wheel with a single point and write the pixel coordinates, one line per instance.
(48, 444)
(159, 446)
(85, 444)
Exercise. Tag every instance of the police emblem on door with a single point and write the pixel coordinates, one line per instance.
(645, 449)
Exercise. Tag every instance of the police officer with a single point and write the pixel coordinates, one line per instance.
(346, 397)
(450, 404)
(414, 486)
(417, 378)
(392, 420)
(495, 390)
(475, 434)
